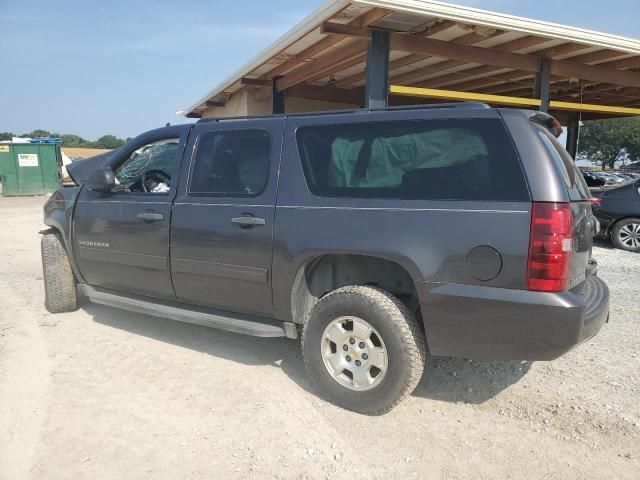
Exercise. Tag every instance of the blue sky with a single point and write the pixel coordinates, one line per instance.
(122, 67)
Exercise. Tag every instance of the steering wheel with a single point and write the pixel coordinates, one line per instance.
(155, 176)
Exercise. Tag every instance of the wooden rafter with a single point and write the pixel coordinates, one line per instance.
(354, 96)
(446, 78)
(255, 82)
(363, 20)
(480, 84)
(325, 64)
(467, 39)
(434, 27)
(473, 54)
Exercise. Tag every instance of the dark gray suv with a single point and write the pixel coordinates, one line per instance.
(375, 235)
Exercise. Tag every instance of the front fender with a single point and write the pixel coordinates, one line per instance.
(58, 214)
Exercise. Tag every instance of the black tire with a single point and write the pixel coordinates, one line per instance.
(60, 293)
(619, 234)
(401, 335)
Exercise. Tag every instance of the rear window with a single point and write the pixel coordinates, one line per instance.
(573, 179)
(469, 159)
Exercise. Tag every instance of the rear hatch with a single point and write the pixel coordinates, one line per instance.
(584, 223)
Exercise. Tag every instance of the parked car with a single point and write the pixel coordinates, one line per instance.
(609, 178)
(618, 211)
(592, 179)
(370, 234)
(625, 176)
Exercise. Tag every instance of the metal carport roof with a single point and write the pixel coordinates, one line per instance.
(437, 46)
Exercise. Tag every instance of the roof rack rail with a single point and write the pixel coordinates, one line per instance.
(354, 110)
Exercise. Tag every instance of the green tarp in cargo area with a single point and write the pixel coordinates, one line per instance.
(392, 157)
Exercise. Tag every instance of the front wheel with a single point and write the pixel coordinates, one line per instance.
(626, 234)
(59, 281)
(363, 349)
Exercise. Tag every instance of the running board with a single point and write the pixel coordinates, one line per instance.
(238, 323)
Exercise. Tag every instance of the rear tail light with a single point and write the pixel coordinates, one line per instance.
(550, 247)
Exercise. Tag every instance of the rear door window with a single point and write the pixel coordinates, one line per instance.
(457, 159)
(573, 178)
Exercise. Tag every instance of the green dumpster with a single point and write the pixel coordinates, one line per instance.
(30, 168)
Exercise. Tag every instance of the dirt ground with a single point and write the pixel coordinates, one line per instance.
(105, 394)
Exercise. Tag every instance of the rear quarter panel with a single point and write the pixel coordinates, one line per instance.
(430, 239)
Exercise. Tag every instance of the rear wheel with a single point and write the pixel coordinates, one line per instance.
(626, 234)
(59, 281)
(363, 349)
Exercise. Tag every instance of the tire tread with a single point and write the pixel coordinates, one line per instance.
(59, 280)
(397, 312)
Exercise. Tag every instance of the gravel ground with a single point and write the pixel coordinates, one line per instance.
(101, 394)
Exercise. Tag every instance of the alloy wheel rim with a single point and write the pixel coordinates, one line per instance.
(354, 353)
(630, 235)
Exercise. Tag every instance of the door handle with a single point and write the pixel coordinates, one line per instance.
(247, 221)
(150, 216)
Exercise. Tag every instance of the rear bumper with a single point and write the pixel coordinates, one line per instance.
(503, 324)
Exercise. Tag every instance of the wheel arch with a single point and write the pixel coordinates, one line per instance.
(612, 224)
(611, 232)
(324, 272)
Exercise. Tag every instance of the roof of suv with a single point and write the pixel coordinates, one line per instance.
(456, 105)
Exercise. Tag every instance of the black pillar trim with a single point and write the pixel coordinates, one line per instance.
(543, 83)
(277, 97)
(377, 89)
(573, 133)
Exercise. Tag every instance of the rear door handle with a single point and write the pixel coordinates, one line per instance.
(150, 216)
(247, 221)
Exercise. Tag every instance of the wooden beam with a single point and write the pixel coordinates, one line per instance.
(255, 82)
(561, 50)
(439, 48)
(483, 73)
(529, 63)
(339, 66)
(483, 82)
(354, 96)
(211, 103)
(569, 69)
(325, 64)
(589, 57)
(632, 62)
(363, 20)
(445, 77)
(595, 57)
(467, 39)
(434, 27)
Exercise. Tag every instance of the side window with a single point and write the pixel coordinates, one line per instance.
(420, 159)
(231, 163)
(148, 168)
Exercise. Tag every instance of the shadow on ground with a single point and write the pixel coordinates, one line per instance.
(603, 243)
(468, 381)
(446, 379)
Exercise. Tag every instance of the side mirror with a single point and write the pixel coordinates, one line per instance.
(101, 180)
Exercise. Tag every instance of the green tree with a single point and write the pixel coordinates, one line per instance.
(6, 136)
(608, 141)
(69, 140)
(109, 141)
(37, 133)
